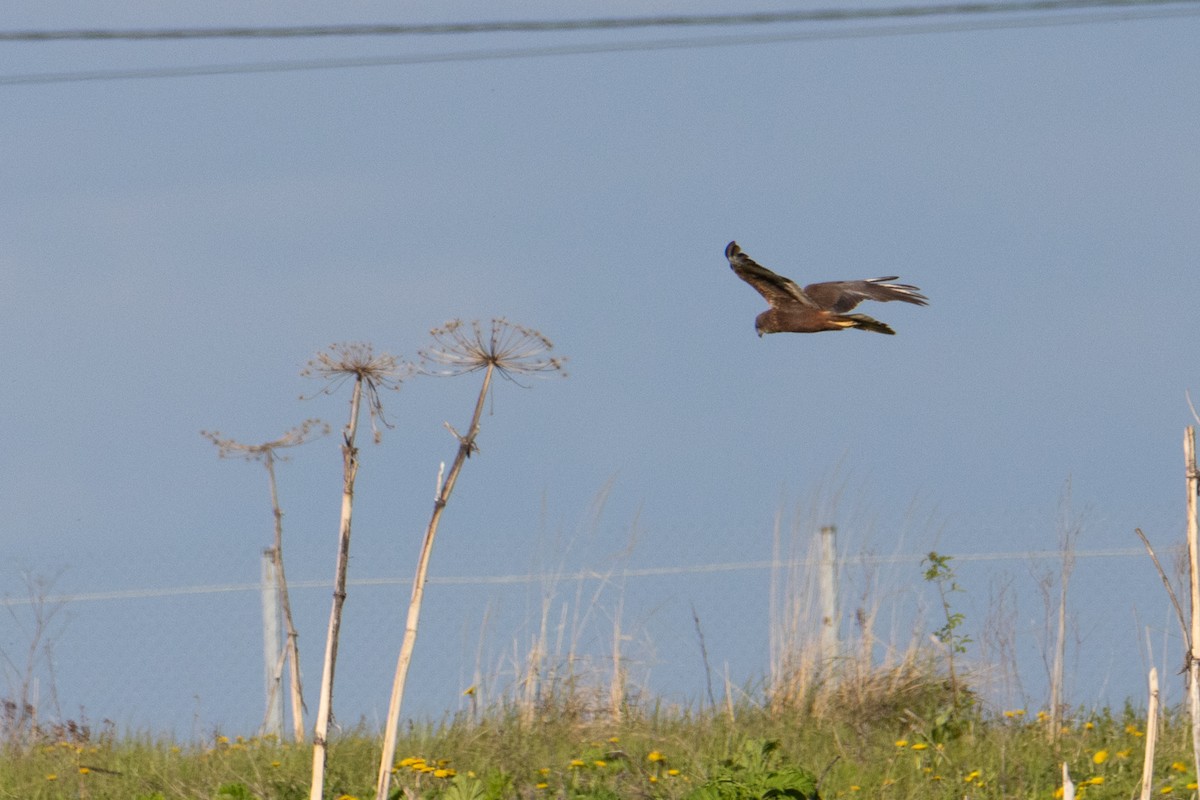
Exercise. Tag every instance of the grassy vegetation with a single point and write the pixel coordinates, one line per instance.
(915, 747)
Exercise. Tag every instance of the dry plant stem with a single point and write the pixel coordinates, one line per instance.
(325, 705)
(292, 648)
(1193, 485)
(266, 453)
(1170, 590)
(1151, 737)
(465, 445)
(1060, 647)
(616, 689)
(712, 700)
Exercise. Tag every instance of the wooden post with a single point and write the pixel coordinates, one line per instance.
(1151, 737)
(1193, 486)
(272, 648)
(829, 592)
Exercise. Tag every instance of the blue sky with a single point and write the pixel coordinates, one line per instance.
(178, 248)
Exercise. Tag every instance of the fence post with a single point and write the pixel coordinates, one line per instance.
(829, 593)
(1193, 485)
(272, 646)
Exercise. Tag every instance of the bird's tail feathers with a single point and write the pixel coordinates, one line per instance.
(866, 323)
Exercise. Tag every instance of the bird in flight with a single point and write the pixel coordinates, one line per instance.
(818, 306)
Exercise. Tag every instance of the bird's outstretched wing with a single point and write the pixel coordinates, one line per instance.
(841, 296)
(779, 292)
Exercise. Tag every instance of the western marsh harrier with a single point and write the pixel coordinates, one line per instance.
(818, 306)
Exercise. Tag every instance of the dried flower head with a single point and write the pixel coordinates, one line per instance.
(509, 348)
(359, 361)
(305, 432)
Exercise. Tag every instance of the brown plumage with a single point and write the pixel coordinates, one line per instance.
(818, 306)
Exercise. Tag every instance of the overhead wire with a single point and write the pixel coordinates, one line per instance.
(605, 23)
(579, 575)
(1183, 8)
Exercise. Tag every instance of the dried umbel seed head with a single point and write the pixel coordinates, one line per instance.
(304, 432)
(339, 362)
(509, 348)
(359, 361)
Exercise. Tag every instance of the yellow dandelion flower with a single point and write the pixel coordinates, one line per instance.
(1058, 793)
(1095, 780)
(1132, 730)
(50, 776)
(674, 773)
(655, 756)
(614, 739)
(902, 743)
(84, 770)
(575, 763)
(1179, 766)
(1124, 753)
(1087, 726)
(855, 787)
(653, 779)
(276, 764)
(544, 771)
(1015, 713)
(600, 763)
(346, 797)
(409, 761)
(542, 785)
(1192, 786)
(1166, 790)
(920, 746)
(888, 781)
(1100, 756)
(442, 772)
(1042, 716)
(970, 776)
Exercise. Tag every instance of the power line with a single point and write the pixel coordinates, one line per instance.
(572, 577)
(610, 23)
(585, 49)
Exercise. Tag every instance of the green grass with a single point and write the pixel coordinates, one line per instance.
(649, 754)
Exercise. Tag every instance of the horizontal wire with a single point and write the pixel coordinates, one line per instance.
(610, 23)
(583, 49)
(580, 575)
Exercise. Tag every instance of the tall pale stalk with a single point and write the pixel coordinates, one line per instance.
(1151, 737)
(266, 453)
(325, 704)
(507, 348)
(466, 444)
(292, 646)
(370, 372)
